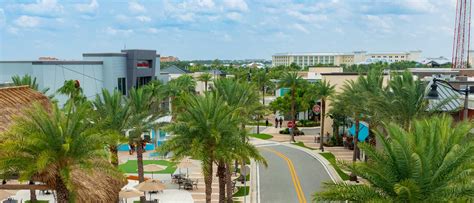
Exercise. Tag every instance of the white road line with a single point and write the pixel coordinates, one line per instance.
(267, 144)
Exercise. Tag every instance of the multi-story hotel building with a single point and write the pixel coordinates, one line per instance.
(337, 59)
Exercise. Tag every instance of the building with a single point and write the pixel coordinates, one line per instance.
(121, 71)
(169, 59)
(337, 59)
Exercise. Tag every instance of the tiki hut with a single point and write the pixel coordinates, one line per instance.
(14, 100)
(89, 185)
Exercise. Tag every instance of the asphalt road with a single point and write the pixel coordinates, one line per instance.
(290, 172)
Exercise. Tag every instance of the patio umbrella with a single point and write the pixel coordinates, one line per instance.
(150, 185)
(129, 193)
(153, 168)
(185, 164)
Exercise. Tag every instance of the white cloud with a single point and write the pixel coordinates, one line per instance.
(43, 7)
(113, 31)
(135, 7)
(122, 18)
(88, 8)
(152, 30)
(308, 18)
(379, 23)
(238, 5)
(2, 18)
(187, 17)
(300, 28)
(206, 3)
(27, 21)
(12, 30)
(234, 16)
(143, 18)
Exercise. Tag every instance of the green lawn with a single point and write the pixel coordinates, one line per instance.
(242, 191)
(301, 144)
(131, 166)
(332, 159)
(261, 136)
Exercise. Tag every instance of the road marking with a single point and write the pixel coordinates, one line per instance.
(267, 144)
(258, 183)
(294, 175)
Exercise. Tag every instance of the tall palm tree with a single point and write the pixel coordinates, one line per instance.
(353, 98)
(324, 91)
(293, 81)
(141, 120)
(179, 86)
(198, 131)
(111, 117)
(48, 145)
(205, 77)
(262, 81)
(432, 162)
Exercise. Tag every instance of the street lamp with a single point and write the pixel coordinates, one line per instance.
(434, 95)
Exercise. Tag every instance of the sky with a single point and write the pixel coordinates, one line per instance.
(223, 29)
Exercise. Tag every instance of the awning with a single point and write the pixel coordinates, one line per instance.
(363, 131)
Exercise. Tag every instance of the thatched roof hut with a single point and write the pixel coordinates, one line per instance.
(14, 100)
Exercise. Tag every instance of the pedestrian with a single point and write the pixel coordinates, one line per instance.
(266, 122)
(130, 148)
(281, 121)
(276, 122)
(344, 141)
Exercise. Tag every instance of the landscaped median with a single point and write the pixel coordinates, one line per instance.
(262, 136)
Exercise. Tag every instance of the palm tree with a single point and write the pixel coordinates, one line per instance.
(293, 81)
(324, 91)
(198, 131)
(352, 98)
(432, 162)
(28, 80)
(262, 81)
(49, 145)
(111, 117)
(141, 120)
(205, 77)
(179, 86)
(403, 100)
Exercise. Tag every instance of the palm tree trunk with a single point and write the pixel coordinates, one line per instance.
(114, 155)
(207, 168)
(228, 180)
(293, 114)
(62, 192)
(205, 84)
(33, 198)
(353, 176)
(321, 143)
(141, 175)
(221, 174)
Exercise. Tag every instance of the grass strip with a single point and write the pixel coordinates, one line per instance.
(262, 136)
(332, 159)
(131, 166)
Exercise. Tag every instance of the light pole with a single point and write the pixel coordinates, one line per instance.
(433, 94)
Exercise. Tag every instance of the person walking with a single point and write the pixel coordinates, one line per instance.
(276, 122)
(266, 122)
(281, 121)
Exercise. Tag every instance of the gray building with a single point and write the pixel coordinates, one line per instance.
(121, 71)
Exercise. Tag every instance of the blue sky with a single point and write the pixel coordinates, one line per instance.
(224, 29)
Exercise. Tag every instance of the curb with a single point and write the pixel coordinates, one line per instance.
(327, 166)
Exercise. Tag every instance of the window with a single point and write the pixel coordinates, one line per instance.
(396, 56)
(402, 56)
(378, 56)
(385, 56)
(142, 81)
(121, 86)
(389, 56)
(373, 56)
